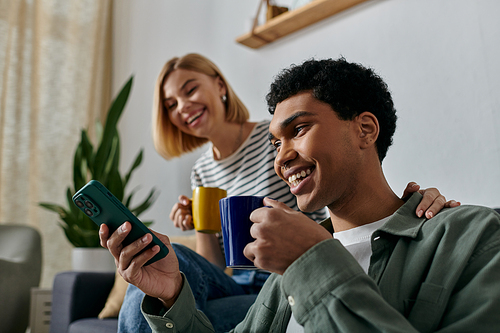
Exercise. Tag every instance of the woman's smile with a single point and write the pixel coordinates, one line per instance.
(190, 121)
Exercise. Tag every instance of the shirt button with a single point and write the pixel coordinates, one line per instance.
(169, 325)
(291, 301)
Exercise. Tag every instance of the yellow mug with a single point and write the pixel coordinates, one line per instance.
(205, 203)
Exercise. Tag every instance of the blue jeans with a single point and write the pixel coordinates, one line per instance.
(208, 282)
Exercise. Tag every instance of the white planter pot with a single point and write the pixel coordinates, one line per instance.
(91, 259)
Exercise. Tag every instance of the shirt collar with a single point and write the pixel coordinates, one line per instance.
(404, 222)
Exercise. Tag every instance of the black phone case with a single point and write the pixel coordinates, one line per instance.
(101, 206)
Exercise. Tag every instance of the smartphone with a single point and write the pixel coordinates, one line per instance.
(101, 206)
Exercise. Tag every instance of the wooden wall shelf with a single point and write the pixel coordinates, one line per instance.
(294, 20)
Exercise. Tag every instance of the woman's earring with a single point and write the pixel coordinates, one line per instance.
(224, 99)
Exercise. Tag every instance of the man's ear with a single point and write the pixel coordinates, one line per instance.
(368, 129)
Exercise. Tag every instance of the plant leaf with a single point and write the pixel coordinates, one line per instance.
(147, 223)
(115, 185)
(150, 199)
(129, 198)
(73, 210)
(88, 152)
(137, 162)
(79, 168)
(112, 118)
(54, 208)
(72, 236)
(113, 160)
(98, 131)
(90, 238)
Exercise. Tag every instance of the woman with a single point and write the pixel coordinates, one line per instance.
(194, 105)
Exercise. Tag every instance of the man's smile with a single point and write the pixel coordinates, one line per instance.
(296, 179)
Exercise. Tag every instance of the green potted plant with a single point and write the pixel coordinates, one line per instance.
(99, 162)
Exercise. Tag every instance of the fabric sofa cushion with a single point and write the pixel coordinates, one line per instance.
(93, 325)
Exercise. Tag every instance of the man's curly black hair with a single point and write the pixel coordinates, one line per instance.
(349, 88)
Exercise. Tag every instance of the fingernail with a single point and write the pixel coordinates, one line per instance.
(419, 213)
(430, 215)
(145, 238)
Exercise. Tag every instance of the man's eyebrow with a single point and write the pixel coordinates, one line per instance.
(285, 123)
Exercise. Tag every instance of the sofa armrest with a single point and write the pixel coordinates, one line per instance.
(77, 295)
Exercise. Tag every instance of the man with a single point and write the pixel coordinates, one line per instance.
(392, 271)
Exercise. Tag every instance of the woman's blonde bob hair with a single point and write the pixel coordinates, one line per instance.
(168, 140)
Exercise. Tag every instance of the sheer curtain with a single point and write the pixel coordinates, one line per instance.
(55, 78)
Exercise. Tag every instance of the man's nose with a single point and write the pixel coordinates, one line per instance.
(285, 154)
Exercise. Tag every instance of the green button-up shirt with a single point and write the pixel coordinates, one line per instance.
(438, 275)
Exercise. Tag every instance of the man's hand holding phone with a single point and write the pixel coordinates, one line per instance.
(161, 279)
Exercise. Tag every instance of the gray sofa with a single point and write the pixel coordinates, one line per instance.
(77, 299)
(20, 270)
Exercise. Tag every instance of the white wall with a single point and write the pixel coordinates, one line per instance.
(439, 57)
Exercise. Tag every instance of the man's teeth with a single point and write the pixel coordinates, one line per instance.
(193, 118)
(296, 179)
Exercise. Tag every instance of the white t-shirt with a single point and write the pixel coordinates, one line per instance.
(357, 242)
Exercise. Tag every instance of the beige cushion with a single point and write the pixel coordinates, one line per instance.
(117, 294)
(189, 241)
(115, 298)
